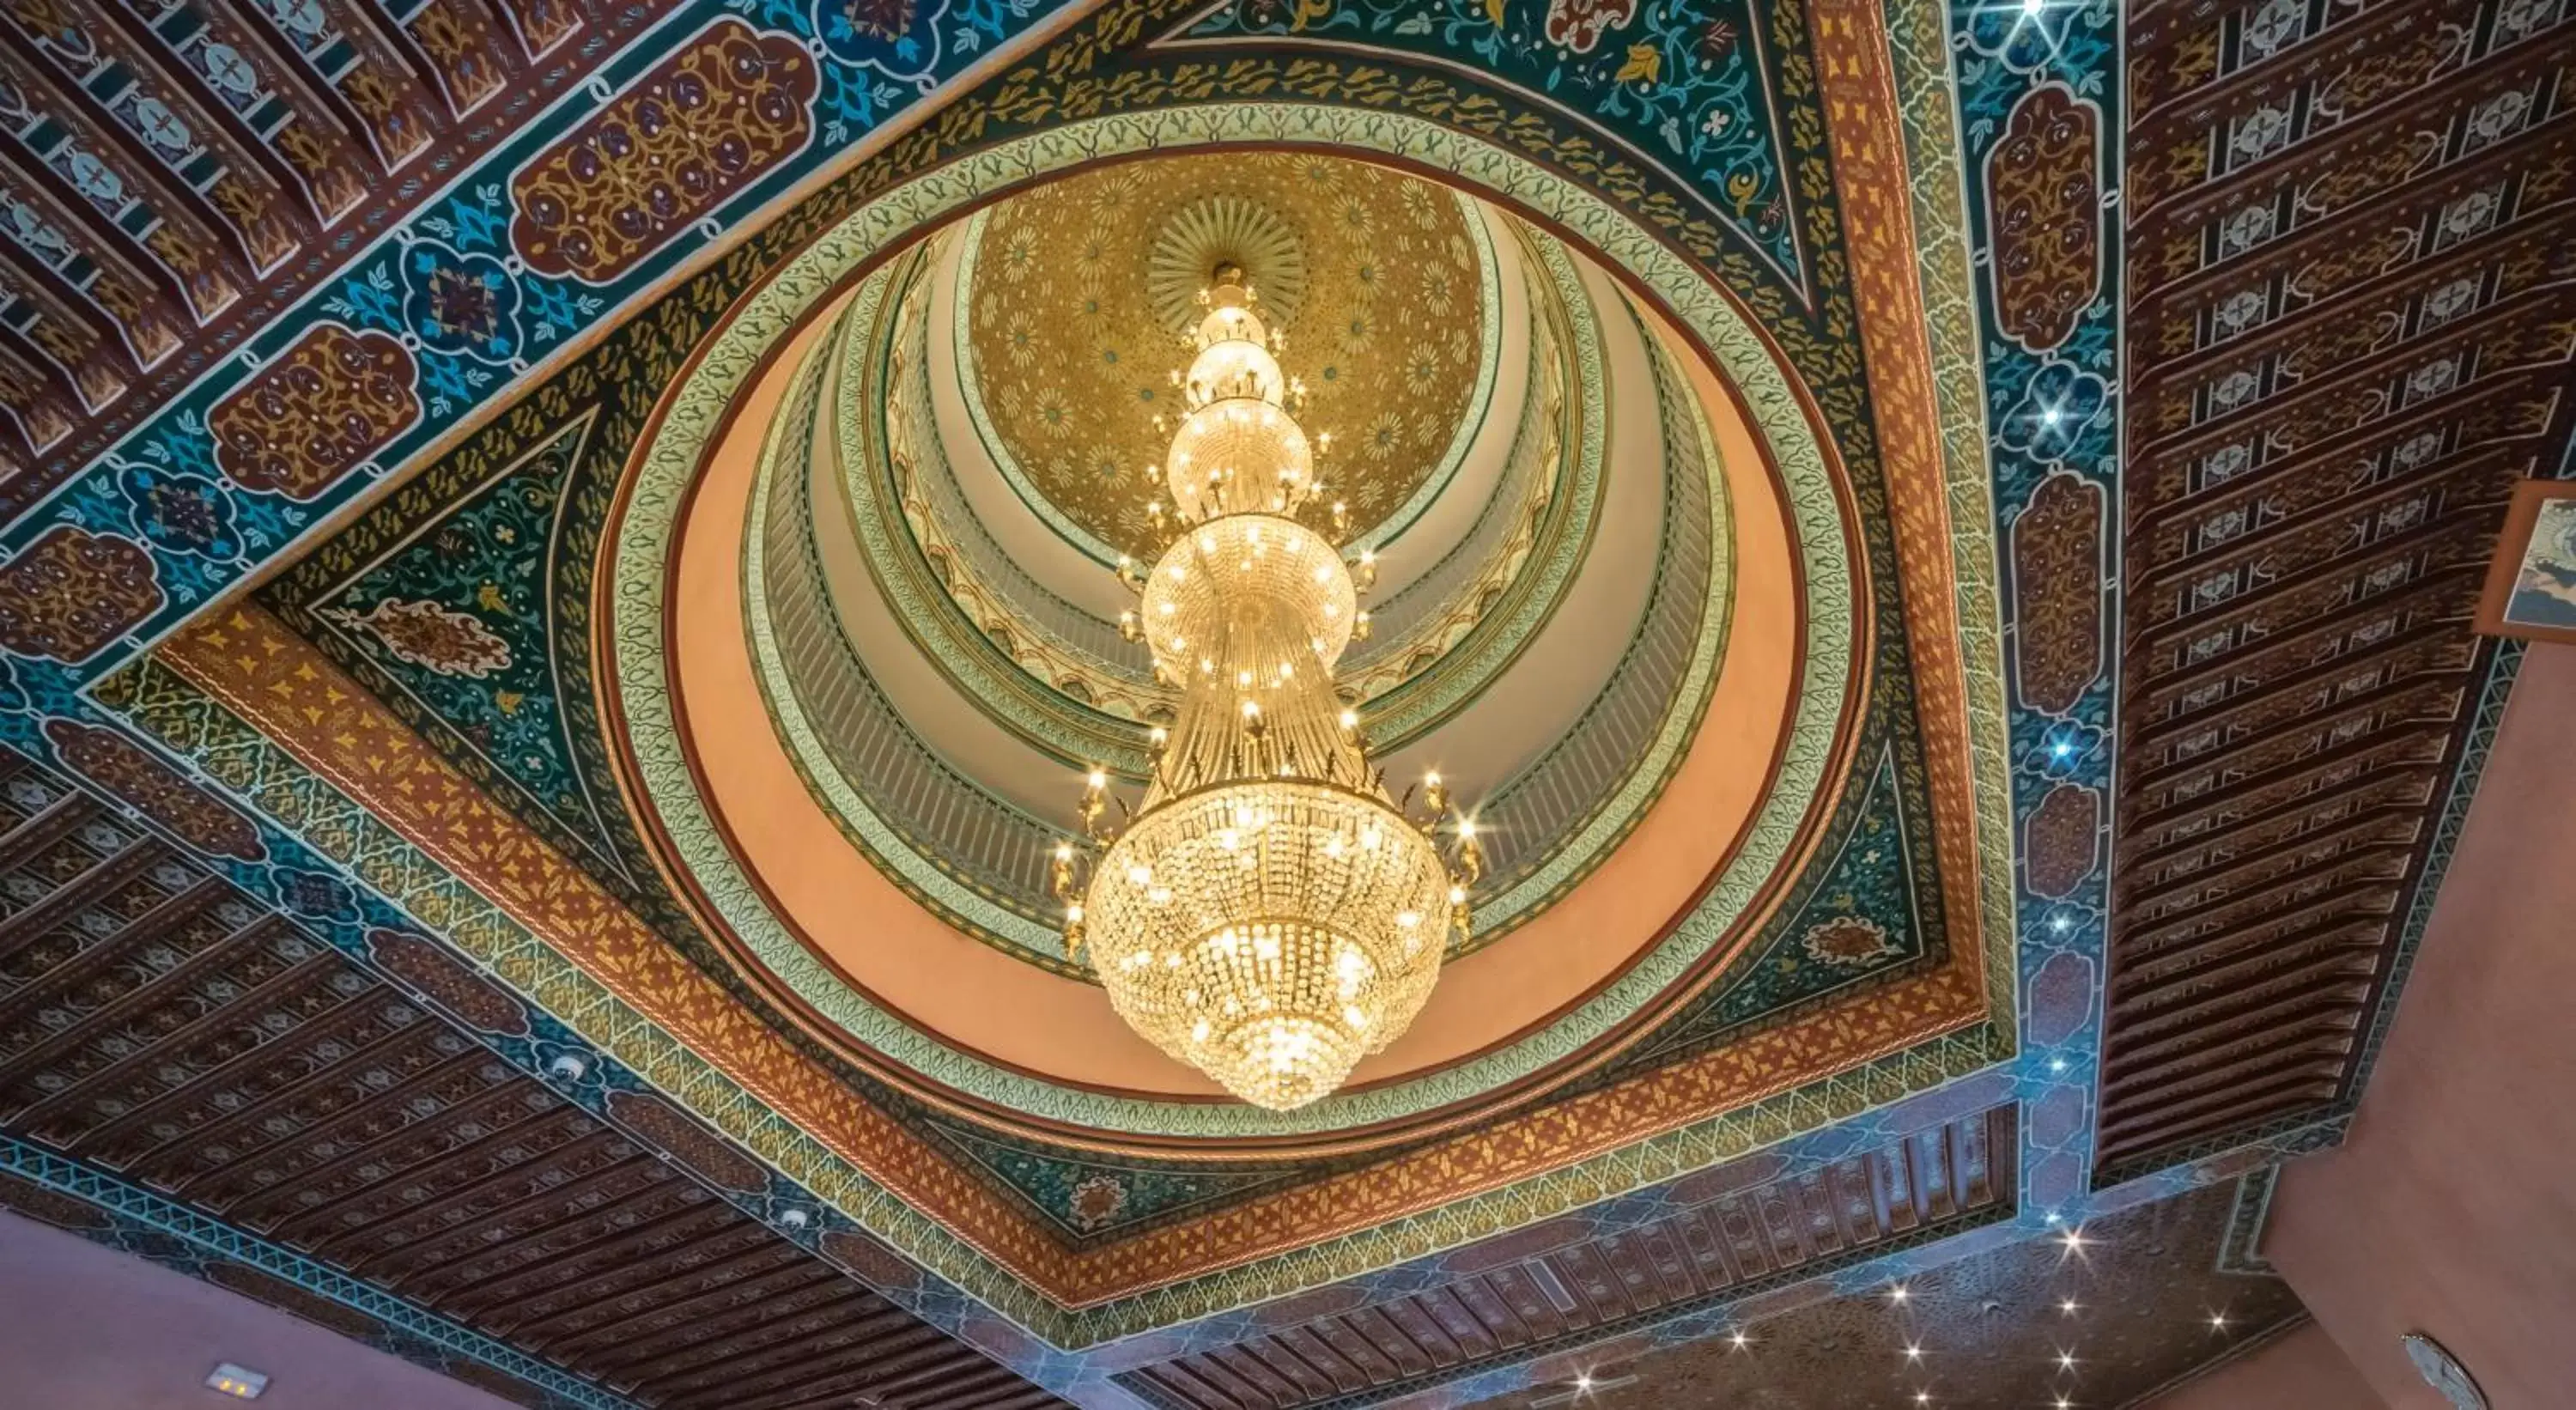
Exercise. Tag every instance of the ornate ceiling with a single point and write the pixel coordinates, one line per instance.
(548, 604)
(200, 1079)
(1078, 294)
(2151, 1296)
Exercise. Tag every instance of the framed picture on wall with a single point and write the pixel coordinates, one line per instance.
(2531, 586)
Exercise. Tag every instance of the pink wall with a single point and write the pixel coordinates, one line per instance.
(2450, 1209)
(2301, 1371)
(87, 1328)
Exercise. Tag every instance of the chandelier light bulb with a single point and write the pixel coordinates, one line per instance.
(1268, 914)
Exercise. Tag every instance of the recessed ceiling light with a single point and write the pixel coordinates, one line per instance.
(240, 1382)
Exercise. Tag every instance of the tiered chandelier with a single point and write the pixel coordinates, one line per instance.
(1269, 915)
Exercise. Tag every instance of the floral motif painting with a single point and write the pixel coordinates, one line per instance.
(1684, 83)
(454, 622)
(429, 636)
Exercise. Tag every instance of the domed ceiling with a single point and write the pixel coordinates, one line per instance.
(939, 659)
(1734, 399)
(1077, 296)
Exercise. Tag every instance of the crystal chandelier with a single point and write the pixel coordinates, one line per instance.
(1268, 915)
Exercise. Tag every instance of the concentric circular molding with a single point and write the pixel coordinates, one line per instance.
(951, 836)
(1519, 552)
(645, 689)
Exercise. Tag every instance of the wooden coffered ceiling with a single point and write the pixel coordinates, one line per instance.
(175, 173)
(2351, 232)
(1736, 1232)
(1986, 1331)
(159, 1027)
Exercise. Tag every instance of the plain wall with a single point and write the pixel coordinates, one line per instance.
(83, 1327)
(2451, 1208)
(2303, 1370)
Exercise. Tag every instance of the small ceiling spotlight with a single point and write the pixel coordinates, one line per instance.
(1739, 1340)
(2067, 1307)
(1896, 1292)
(239, 1382)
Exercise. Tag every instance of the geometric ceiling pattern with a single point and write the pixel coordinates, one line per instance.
(192, 1046)
(177, 174)
(2349, 335)
(2151, 385)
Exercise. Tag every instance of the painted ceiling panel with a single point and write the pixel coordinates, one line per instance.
(175, 174)
(163, 1029)
(2175, 362)
(2348, 341)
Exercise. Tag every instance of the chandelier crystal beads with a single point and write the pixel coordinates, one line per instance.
(1268, 915)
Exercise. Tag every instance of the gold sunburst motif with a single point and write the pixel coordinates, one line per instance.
(1080, 292)
(1218, 230)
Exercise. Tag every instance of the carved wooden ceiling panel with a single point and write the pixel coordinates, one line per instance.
(175, 172)
(2350, 322)
(1734, 1232)
(2158, 1293)
(158, 1026)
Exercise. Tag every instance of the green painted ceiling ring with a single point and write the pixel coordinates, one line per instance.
(1555, 300)
(662, 474)
(1016, 920)
(1082, 736)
